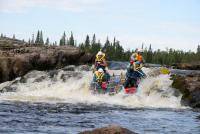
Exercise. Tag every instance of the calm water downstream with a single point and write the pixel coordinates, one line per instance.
(22, 117)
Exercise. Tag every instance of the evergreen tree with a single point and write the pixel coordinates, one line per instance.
(41, 38)
(106, 46)
(1, 35)
(37, 41)
(63, 40)
(149, 55)
(94, 46)
(93, 42)
(71, 40)
(87, 43)
(13, 36)
(47, 41)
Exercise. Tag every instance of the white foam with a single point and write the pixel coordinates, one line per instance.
(152, 92)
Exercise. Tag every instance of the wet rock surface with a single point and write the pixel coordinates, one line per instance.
(18, 61)
(112, 129)
(189, 85)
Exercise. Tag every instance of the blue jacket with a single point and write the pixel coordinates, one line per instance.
(132, 74)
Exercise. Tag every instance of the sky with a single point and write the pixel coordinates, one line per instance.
(161, 23)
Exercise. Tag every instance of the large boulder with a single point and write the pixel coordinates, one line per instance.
(19, 61)
(189, 85)
(112, 129)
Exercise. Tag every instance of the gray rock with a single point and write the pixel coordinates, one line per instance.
(19, 61)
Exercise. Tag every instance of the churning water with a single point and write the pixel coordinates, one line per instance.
(60, 102)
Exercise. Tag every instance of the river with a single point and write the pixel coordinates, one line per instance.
(60, 101)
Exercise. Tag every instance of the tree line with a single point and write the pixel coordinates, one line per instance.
(171, 56)
(39, 41)
(115, 51)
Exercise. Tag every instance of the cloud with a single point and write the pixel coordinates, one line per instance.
(18, 6)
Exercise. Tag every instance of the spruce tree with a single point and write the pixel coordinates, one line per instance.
(47, 41)
(63, 40)
(149, 55)
(1, 35)
(94, 45)
(71, 40)
(37, 40)
(106, 46)
(87, 43)
(41, 39)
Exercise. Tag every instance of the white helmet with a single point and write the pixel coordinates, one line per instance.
(100, 53)
(100, 70)
(140, 50)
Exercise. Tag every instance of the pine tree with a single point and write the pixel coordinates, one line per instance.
(93, 42)
(47, 41)
(13, 36)
(41, 41)
(106, 46)
(37, 41)
(87, 43)
(149, 55)
(71, 40)
(1, 35)
(63, 40)
(114, 49)
(94, 45)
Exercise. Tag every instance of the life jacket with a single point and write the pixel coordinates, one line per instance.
(99, 76)
(136, 57)
(139, 57)
(100, 59)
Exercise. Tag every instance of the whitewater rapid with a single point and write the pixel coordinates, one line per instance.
(73, 87)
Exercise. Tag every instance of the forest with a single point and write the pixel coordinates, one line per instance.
(114, 50)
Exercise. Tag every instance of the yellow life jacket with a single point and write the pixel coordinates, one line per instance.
(99, 76)
(100, 59)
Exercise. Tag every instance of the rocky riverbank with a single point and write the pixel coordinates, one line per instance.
(187, 66)
(17, 61)
(188, 83)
